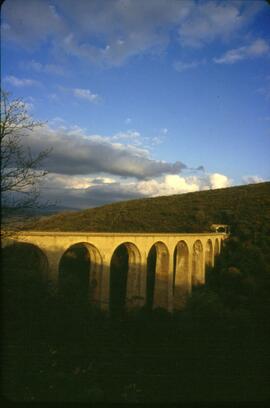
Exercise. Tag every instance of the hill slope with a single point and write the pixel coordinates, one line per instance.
(245, 208)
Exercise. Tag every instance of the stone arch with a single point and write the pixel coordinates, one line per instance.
(125, 278)
(181, 274)
(157, 276)
(25, 265)
(197, 263)
(209, 253)
(216, 247)
(80, 269)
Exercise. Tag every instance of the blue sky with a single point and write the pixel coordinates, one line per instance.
(142, 98)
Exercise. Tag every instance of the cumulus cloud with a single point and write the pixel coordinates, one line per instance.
(218, 180)
(257, 48)
(83, 192)
(169, 184)
(20, 82)
(75, 152)
(110, 32)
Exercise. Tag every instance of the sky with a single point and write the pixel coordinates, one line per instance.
(141, 98)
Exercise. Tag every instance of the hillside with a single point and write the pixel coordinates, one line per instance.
(245, 208)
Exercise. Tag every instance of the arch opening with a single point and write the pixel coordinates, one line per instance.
(125, 278)
(209, 254)
(216, 247)
(25, 268)
(150, 277)
(197, 264)
(157, 276)
(181, 275)
(80, 273)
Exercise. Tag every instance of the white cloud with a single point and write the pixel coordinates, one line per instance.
(176, 184)
(85, 94)
(253, 179)
(20, 82)
(218, 180)
(167, 185)
(257, 48)
(131, 136)
(86, 191)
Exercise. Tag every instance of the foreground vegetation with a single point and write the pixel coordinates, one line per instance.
(217, 349)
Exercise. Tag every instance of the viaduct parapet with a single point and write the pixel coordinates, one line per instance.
(161, 268)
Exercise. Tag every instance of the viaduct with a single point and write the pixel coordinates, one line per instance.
(160, 269)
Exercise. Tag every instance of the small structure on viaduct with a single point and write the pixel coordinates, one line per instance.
(151, 269)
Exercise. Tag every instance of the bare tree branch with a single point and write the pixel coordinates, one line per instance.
(21, 172)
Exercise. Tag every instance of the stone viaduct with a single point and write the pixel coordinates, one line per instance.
(161, 268)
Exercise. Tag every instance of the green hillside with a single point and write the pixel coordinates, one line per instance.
(245, 208)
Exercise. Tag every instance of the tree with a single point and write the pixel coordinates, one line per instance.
(21, 172)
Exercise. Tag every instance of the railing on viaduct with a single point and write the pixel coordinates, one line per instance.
(159, 269)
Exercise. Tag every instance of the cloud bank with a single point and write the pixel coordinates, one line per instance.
(86, 192)
(90, 170)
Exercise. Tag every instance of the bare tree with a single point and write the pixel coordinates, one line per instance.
(21, 172)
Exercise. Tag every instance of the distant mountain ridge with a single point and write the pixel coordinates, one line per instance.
(53, 209)
(243, 208)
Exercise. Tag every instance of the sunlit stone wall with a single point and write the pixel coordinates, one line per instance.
(178, 263)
